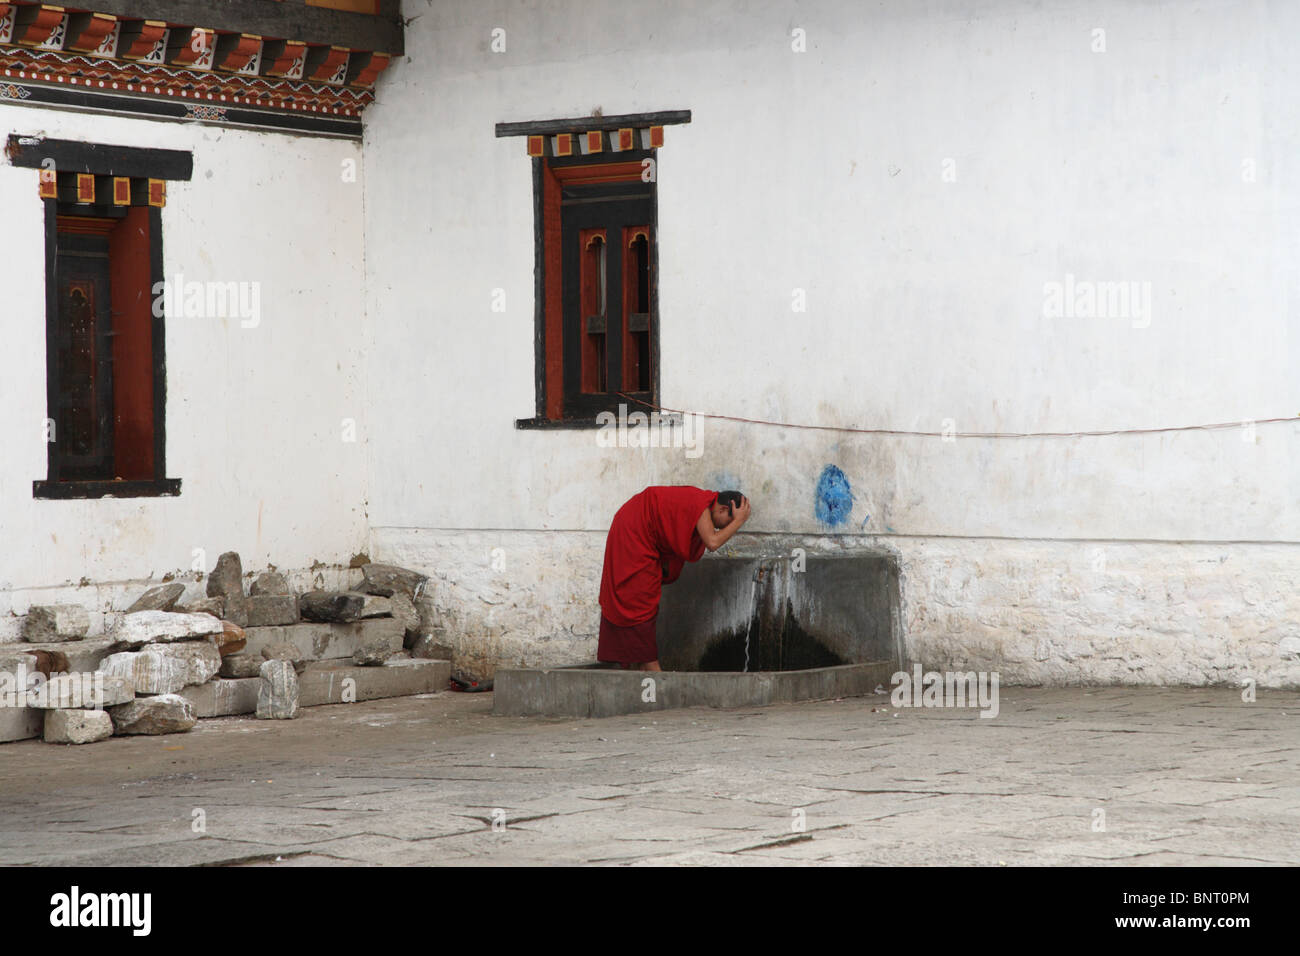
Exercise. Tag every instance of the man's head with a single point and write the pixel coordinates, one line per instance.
(722, 510)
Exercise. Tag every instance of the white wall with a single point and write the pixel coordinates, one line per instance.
(823, 171)
(253, 414)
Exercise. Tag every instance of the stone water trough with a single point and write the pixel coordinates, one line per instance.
(740, 631)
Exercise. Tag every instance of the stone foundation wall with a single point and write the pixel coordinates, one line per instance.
(1039, 612)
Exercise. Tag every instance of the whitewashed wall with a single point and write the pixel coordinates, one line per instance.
(1168, 159)
(253, 414)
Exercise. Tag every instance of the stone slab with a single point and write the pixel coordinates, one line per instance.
(331, 606)
(223, 697)
(21, 723)
(230, 641)
(214, 607)
(270, 582)
(431, 646)
(89, 690)
(235, 609)
(160, 598)
(269, 610)
(56, 622)
(240, 666)
(163, 627)
(277, 697)
(77, 726)
(149, 673)
(200, 659)
(389, 579)
(84, 655)
(10, 662)
(606, 692)
(319, 642)
(227, 577)
(324, 682)
(163, 714)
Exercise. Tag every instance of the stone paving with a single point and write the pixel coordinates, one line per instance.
(1182, 776)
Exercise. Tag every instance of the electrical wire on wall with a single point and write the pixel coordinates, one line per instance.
(956, 434)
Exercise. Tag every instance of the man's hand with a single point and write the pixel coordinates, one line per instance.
(714, 538)
(740, 512)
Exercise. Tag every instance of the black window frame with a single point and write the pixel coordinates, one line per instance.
(624, 204)
(68, 157)
(543, 155)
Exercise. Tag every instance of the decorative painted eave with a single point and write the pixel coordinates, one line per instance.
(286, 65)
(585, 135)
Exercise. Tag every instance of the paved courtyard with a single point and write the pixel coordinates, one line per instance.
(1160, 777)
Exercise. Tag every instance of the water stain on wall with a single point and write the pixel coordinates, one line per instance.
(772, 646)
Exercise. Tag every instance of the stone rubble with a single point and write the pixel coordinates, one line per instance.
(161, 598)
(403, 610)
(241, 665)
(77, 726)
(277, 698)
(27, 660)
(332, 607)
(268, 610)
(372, 653)
(214, 606)
(164, 714)
(46, 623)
(374, 606)
(166, 661)
(135, 630)
(269, 583)
(85, 690)
(235, 609)
(427, 609)
(388, 579)
(431, 647)
(284, 651)
(227, 577)
(51, 662)
(231, 640)
(199, 660)
(149, 673)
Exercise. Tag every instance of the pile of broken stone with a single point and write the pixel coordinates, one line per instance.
(161, 647)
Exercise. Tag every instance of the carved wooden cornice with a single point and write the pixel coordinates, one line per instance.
(276, 64)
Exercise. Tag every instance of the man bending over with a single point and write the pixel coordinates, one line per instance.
(650, 540)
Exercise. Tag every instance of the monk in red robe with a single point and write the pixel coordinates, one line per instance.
(650, 540)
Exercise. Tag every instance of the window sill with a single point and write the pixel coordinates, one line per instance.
(60, 490)
(663, 419)
(557, 424)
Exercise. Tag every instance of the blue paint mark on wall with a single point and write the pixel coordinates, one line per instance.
(834, 497)
(724, 481)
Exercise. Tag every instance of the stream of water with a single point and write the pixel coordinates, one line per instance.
(753, 589)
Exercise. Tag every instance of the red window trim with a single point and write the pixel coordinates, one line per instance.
(552, 178)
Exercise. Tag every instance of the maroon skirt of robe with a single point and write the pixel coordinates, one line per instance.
(627, 645)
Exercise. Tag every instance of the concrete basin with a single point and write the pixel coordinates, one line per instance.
(740, 632)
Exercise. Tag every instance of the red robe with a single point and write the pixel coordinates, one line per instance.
(650, 540)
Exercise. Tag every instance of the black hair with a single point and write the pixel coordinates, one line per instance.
(731, 499)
